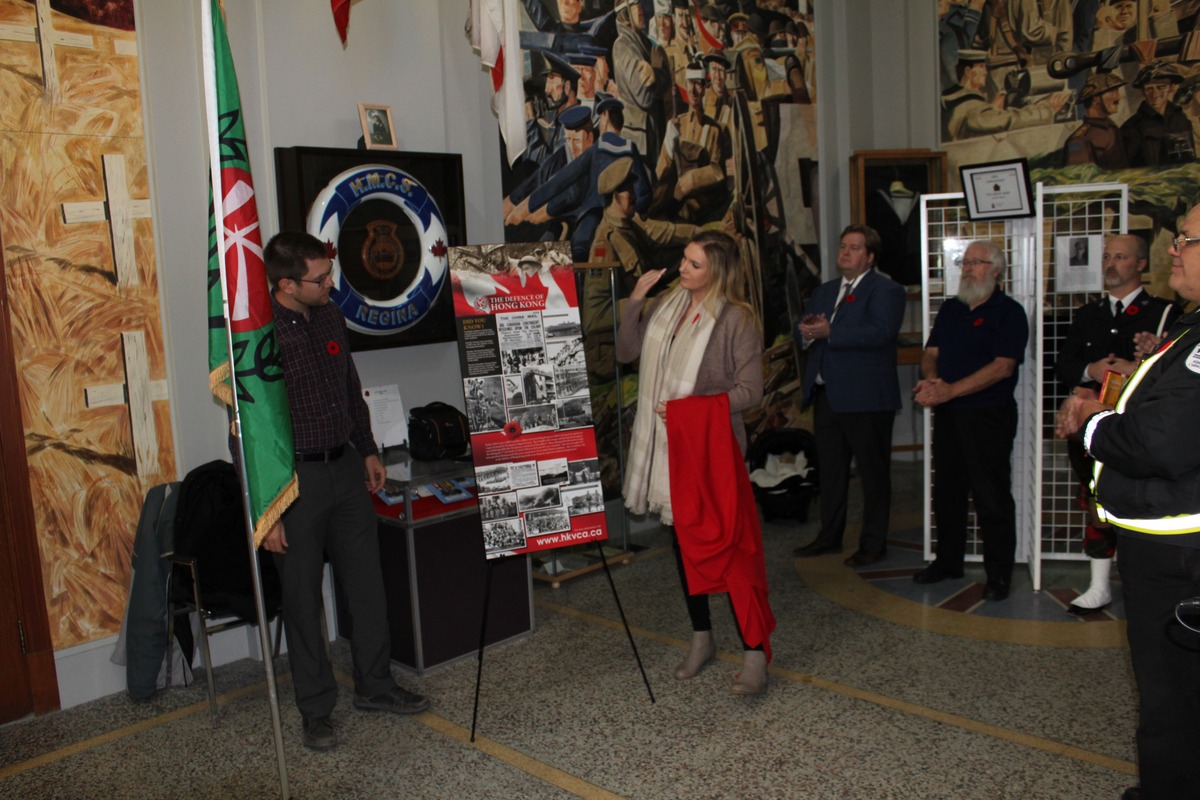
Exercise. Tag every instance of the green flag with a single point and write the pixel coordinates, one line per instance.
(266, 422)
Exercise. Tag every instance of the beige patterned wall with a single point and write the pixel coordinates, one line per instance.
(84, 305)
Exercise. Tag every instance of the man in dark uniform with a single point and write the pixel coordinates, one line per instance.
(1102, 338)
(1159, 132)
(544, 134)
(333, 517)
(1147, 483)
(1098, 140)
(969, 375)
(572, 193)
(578, 135)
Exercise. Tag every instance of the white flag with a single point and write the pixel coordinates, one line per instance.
(496, 34)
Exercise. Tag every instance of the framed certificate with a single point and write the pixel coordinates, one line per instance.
(999, 190)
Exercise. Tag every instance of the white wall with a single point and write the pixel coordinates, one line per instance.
(876, 90)
(299, 86)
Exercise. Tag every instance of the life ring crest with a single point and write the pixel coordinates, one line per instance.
(333, 205)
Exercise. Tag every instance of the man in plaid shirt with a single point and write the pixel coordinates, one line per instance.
(333, 515)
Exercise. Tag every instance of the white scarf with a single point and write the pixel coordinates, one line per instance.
(670, 362)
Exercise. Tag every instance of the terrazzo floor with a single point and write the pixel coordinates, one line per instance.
(875, 693)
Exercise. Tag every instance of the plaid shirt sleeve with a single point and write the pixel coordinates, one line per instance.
(324, 392)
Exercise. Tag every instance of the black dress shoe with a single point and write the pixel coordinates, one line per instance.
(1080, 611)
(317, 733)
(1132, 793)
(815, 549)
(862, 558)
(935, 573)
(996, 589)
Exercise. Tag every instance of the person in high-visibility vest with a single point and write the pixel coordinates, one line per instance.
(1147, 486)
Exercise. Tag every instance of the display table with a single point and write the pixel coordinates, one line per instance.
(435, 573)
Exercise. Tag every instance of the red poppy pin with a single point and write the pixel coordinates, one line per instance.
(333, 348)
(978, 321)
(1132, 311)
(512, 429)
(850, 298)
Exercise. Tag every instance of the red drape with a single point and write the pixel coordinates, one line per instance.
(716, 519)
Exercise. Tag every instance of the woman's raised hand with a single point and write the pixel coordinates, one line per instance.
(645, 283)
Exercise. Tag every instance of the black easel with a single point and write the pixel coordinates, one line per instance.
(487, 597)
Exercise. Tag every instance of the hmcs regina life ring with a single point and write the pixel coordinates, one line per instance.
(380, 182)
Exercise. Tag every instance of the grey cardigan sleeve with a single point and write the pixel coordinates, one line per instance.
(631, 331)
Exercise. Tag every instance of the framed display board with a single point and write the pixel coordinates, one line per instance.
(998, 189)
(885, 193)
(391, 217)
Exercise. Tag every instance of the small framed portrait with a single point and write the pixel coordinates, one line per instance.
(999, 190)
(1078, 263)
(378, 131)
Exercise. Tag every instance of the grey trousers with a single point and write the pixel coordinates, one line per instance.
(333, 516)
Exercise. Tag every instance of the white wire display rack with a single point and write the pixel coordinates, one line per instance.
(1049, 520)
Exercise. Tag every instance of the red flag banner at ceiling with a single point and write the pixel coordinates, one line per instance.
(341, 16)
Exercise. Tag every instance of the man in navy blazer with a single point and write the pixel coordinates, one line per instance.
(850, 380)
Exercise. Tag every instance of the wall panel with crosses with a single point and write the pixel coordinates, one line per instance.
(81, 272)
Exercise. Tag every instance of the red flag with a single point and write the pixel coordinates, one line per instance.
(341, 16)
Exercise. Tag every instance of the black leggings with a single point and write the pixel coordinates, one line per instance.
(697, 604)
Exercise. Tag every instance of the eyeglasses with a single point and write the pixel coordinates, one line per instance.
(317, 281)
(971, 263)
(1181, 241)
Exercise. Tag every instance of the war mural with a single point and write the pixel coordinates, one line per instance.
(648, 120)
(1088, 91)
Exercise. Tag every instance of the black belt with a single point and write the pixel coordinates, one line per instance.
(324, 455)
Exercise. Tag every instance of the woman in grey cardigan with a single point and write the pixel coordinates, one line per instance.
(702, 338)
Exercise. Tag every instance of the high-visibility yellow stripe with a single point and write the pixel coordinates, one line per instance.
(1123, 399)
(1166, 526)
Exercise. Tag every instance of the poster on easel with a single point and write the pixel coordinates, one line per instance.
(520, 345)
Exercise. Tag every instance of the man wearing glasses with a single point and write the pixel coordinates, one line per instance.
(969, 373)
(1147, 484)
(334, 516)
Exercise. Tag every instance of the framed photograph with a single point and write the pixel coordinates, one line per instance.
(999, 190)
(885, 193)
(1078, 263)
(378, 131)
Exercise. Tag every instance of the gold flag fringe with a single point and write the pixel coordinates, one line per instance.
(218, 383)
(274, 511)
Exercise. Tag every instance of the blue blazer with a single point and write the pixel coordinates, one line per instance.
(858, 360)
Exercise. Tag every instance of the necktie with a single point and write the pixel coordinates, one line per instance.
(841, 297)
(1118, 308)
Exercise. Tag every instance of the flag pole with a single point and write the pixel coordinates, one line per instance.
(214, 154)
